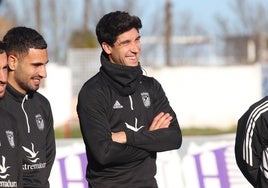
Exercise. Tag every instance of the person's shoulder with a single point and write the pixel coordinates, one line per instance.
(259, 107)
(94, 89)
(93, 81)
(150, 81)
(262, 103)
(7, 117)
(39, 98)
(93, 84)
(4, 113)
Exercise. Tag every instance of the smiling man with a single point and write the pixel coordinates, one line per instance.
(10, 160)
(27, 60)
(3, 69)
(125, 117)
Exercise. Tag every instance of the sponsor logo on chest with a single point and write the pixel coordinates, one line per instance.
(32, 158)
(4, 174)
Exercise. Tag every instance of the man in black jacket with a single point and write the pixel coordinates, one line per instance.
(10, 162)
(251, 144)
(27, 59)
(125, 117)
(3, 70)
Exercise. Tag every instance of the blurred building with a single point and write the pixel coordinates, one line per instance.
(246, 49)
(84, 64)
(57, 88)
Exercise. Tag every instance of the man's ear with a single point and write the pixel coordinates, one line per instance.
(12, 60)
(106, 47)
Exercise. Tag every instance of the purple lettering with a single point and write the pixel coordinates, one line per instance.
(64, 179)
(221, 167)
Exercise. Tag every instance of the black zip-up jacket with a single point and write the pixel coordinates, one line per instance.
(35, 125)
(251, 144)
(120, 98)
(10, 162)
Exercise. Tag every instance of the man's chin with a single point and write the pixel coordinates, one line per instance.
(33, 89)
(2, 91)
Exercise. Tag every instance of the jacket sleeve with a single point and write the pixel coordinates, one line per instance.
(51, 146)
(96, 131)
(162, 139)
(251, 146)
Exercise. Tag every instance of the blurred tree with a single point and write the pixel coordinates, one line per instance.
(5, 25)
(38, 15)
(168, 32)
(249, 29)
(60, 22)
(251, 17)
(86, 13)
(83, 39)
(7, 9)
(54, 21)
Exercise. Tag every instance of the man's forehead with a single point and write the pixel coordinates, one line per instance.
(128, 35)
(3, 59)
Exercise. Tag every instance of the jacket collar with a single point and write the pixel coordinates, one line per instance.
(124, 79)
(16, 94)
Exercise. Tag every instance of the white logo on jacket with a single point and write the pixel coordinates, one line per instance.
(117, 105)
(5, 182)
(135, 127)
(32, 157)
(3, 168)
(32, 154)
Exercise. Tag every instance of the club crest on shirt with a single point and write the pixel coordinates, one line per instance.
(39, 122)
(146, 99)
(10, 138)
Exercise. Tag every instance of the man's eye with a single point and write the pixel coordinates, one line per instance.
(124, 43)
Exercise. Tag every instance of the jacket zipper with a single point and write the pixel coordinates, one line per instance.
(131, 102)
(26, 116)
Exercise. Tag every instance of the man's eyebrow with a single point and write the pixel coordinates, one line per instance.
(40, 63)
(124, 41)
(128, 40)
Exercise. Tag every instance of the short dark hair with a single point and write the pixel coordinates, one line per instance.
(2, 47)
(20, 39)
(115, 23)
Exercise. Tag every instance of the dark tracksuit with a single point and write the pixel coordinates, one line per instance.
(251, 144)
(10, 162)
(35, 124)
(120, 98)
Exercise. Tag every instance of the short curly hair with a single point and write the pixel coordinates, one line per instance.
(115, 23)
(20, 39)
(2, 47)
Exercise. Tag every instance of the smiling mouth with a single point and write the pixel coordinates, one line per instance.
(2, 87)
(37, 81)
(133, 58)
